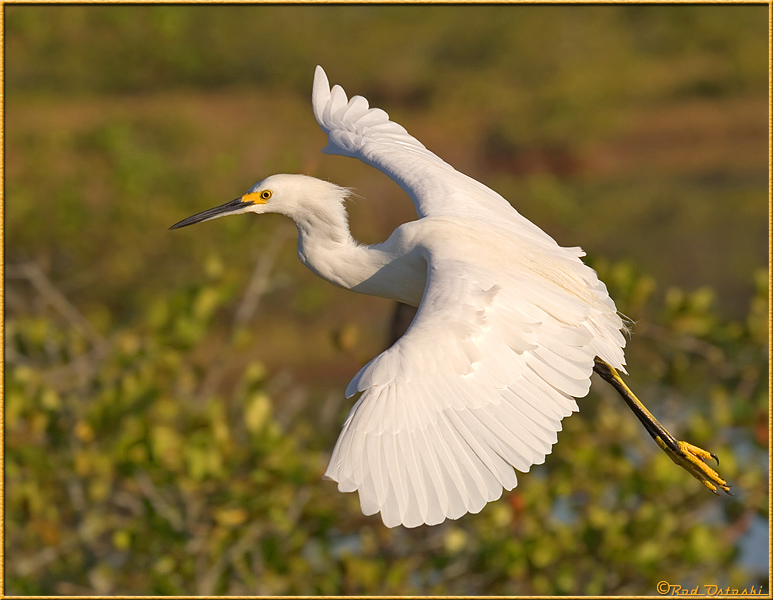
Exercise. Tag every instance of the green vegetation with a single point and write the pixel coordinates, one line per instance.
(171, 398)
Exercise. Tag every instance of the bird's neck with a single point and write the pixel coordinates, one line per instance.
(321, 226)
(326, 246)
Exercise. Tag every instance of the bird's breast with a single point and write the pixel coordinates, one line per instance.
(394, 271)
(400, 278)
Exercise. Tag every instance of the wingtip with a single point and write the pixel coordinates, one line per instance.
(320, 92)
(321, 83)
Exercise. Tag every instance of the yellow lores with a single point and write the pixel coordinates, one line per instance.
(257, 197)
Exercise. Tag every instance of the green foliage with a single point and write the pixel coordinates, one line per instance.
(125, 476)
(118, 462)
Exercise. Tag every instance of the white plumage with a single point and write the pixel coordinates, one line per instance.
(504, 340)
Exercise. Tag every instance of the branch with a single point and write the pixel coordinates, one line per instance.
(258, 284)
(48, 291)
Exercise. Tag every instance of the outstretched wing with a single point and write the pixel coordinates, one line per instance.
(477, 386)
(436, 188)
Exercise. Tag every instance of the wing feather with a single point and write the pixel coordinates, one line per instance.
(415, 477)
(497, 472)
(449, 471)
(533, 409)
(377, 465)
(535, 398)
(367, 486)
(374, 139)
(501, 438)
(462, 456)
(544, 389)
(559, 380)
(460, 401)
(438, 506)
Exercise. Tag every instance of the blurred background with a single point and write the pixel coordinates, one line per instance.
(172, 398)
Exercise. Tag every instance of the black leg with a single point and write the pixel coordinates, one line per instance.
(689, 457)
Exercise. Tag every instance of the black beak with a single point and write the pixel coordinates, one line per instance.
(229, 208)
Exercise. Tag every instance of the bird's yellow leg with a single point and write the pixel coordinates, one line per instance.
(689, 457)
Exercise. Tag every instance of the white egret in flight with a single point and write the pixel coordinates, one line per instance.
(509, 327)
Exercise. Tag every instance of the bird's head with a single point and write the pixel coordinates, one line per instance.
(289, 195)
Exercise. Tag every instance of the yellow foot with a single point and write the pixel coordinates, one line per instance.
(692, 459)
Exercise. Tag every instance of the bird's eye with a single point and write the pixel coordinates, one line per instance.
(265, 194)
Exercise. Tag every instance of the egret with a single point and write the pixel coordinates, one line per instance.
(509, 327)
